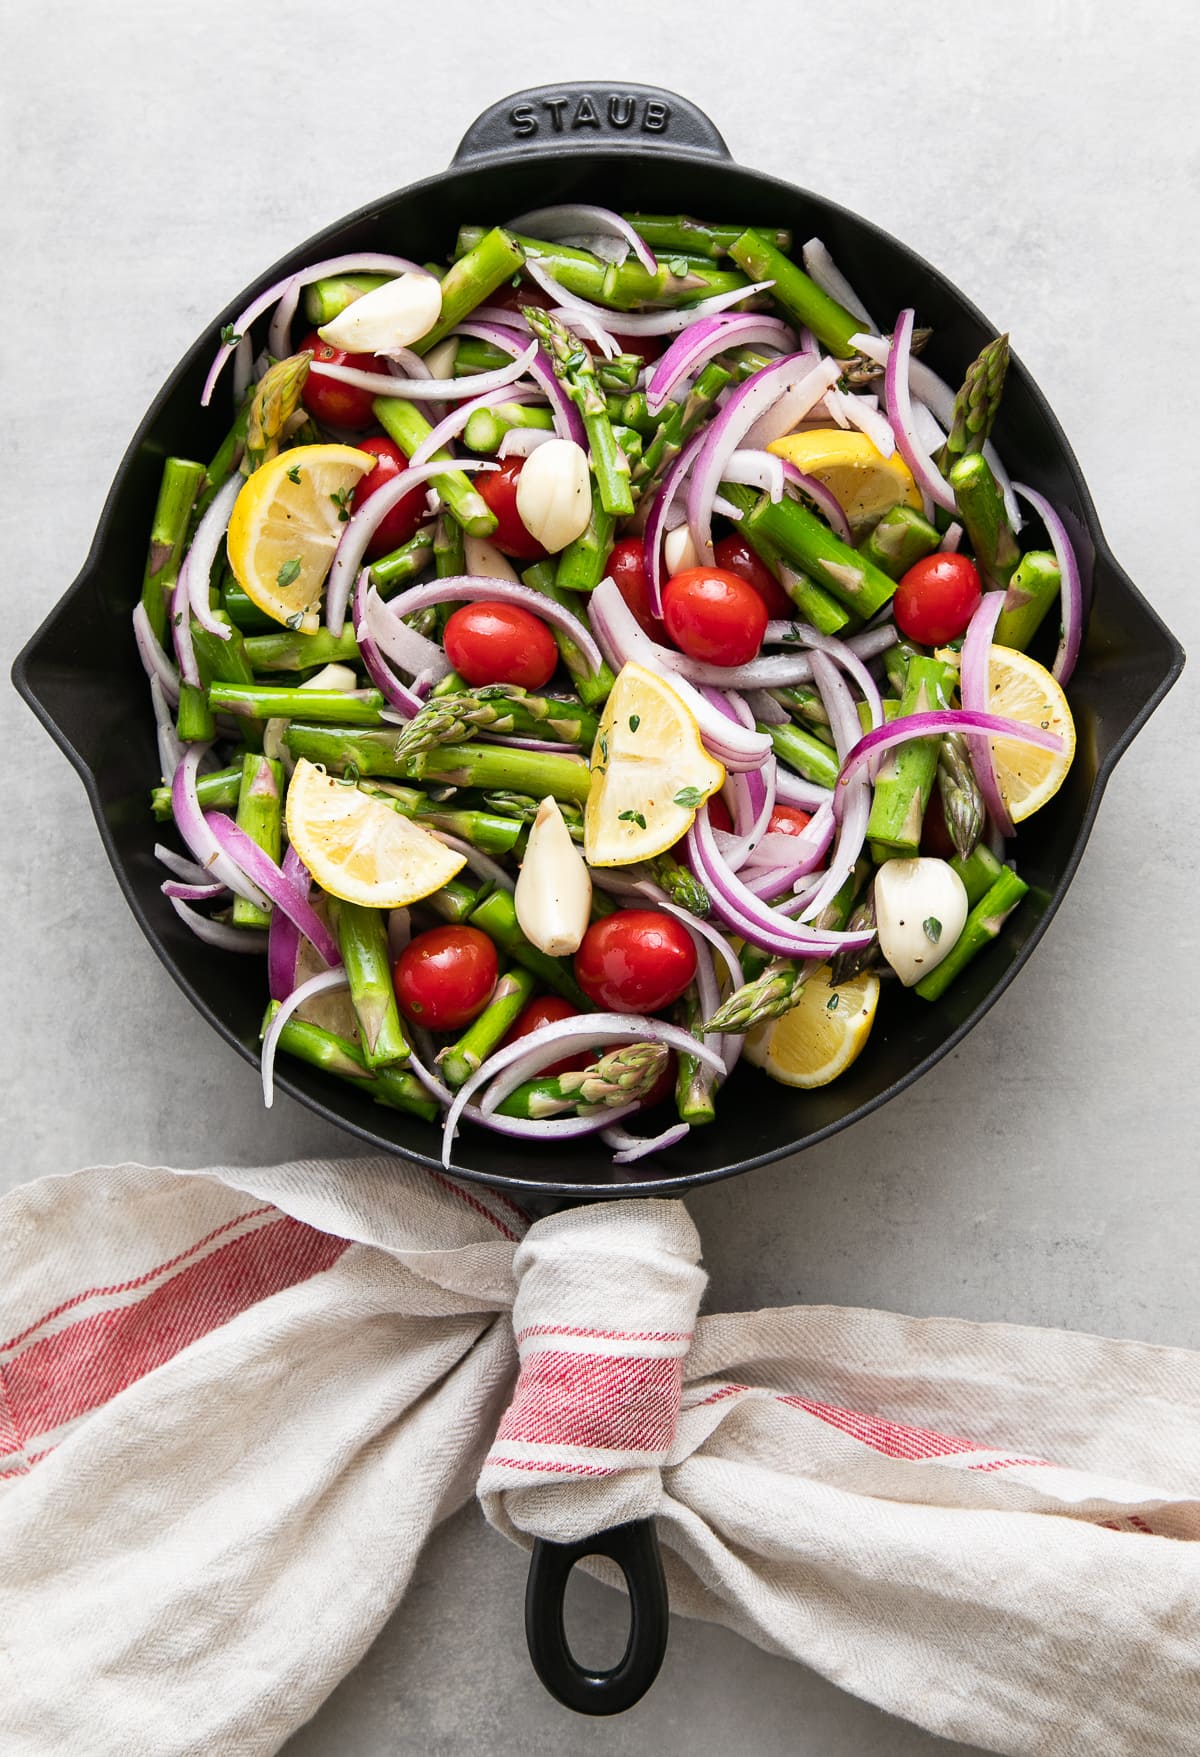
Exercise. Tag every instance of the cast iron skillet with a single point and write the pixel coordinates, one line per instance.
(624, 146)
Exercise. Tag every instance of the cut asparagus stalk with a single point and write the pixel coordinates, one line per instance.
(497, 917)
(181, 481)
(982, 926)
(510, 997)
(800, 297)
(362, 941)
(1036, 585)
(623, 1076)
(406, 425)
(260, 814)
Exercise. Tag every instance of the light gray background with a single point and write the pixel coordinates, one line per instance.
(1044, 154)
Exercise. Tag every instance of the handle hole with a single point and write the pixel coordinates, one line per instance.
(595, 1621)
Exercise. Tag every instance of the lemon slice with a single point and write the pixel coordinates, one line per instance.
(650, 772)
(287, 522)
(822, 1034)
(1021, 689)
(359, 849)
(864, 483)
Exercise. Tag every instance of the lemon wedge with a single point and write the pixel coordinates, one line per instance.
(287, 522)
(650, 772)
(358, 848)
(1021, 689)
(864, 483)
(822, 1035)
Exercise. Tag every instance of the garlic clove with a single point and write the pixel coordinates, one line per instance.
(679, 551)
(333, 676)
(392, 316)
(921, 909)
(441, 360)
(554, 890)
(554, 493)
(485, 559)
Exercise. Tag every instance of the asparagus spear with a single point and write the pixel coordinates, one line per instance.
(981, 509)
(808, 544)
(962, 802)
(800, 297)
(455, 901)
(362, 941)
(804, 752)
(326, 299)
(263, 701)
(525, 807)
(582, 563)
(770, 995)
(486, 428)
(1036, 584)
(694, 1079)
(575, 371)
(337, 1055)
(982, 926)
(225, 661)
(494, 259)
(625, 286)
(193, 717)
(275, 399)
(803, 703)
(449, 553)
(260, 814)
(845, 966)
(978, 872)
(496, 708)
(592, 690)
(900, 538)
(509, 999)
(216, 791)
(976, 404)
(623, 1076)
(373, 752)
(497, 917)
(906, 774)
(814, 603)
(681, 885)
(181, 481)
(241, 611)
(403, 565)
(491, 833)
(836, 913)
(679, 233)
(404, 423)
(293, 651)
(676, 425)
(618, 376)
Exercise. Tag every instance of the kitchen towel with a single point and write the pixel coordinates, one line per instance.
(233, 1403)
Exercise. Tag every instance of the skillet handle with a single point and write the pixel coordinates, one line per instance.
(595, 117)
(634, 1548)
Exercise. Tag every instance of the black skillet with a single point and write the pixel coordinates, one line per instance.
(623, 146)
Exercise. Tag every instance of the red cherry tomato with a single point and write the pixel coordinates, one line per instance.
(499, 489)
(405, 517)
(935, 837)
(719, 815)
(445, 977)
(636, 961)
(714, 616)
(937, 598)
(735, 555)
(627, 571)
(341, 405)
(500, 643)
(787, 820)
(547, 1009)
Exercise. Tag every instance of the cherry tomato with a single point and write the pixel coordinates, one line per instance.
(714, 616)
(719, 815)
(445, 977)
(627, 571)
(636, 961)
(937, 598)
(405, 517)
(787, 820)
(500, 643)
(341, 405)
(735, 555)
(935, 837)
(499, 489)
(547, 1009)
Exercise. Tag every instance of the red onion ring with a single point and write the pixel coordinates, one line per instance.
(578, 219)
(319, 984)
(170, 749)
(210, 534)
(283, 935)
(852, 830)
(703, 341)
(660, 514)
(187, 870)
(404, 646)
(568, 423)
(933, 724)
(793, 789)
(191, 823)
(973, 688)
(407, 702)
(456, 420)
(950, 542)
(471, 588)
(481, 864)
(860, 411)
(642, 323)
(627, 1147)
(192, 893)
(821, 497)
(262, 872)
(927, 476)
(218, 933)
(180, 615)
(437, 390)
(1072, 583)
(153, 655)
(820, 267)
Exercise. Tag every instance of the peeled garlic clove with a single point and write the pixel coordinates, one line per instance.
(392, 316)
(441, 360)
(339, 677)
(554, 493)
(554, 891)
(485, 559)
(679, 551)
(921, 908)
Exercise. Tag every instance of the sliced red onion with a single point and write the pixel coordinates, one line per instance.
(456, 420)
(479, 863)
(407, 702)
(319, 984)
(587, 326)
(518, 442)
(821, 268)
(796, 402)
(181, 630)
(622, 640)
(794, 374)
(404, 646)
(754, 469)
(660, 519)
(187, 870)
(734, 706)
(218, 933)
(931, 436)
(973, 688)
(950, 542)
(862, 412)
(263, 873)
(1072, 583)
(191, 823)
(428, 389)
(931, 725)
(192, 893)
(898, 397)
(798, 854)
(366, 521)
(170, 748)
(642, 323)
(568, 423)
(210, 534)
(822, 498)
(852, 830)
(570, 219)
(627, 1147)
(284, 936)
(832, 407)
(848, 654)
(502, 314)
(472, 588)
(760, 793)
(153, 655)
(791, 789)
(766, 708)
(703, 341)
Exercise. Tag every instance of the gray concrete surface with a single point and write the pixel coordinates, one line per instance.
(1045, 155)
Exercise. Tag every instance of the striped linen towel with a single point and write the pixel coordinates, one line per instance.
(233, 1403)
